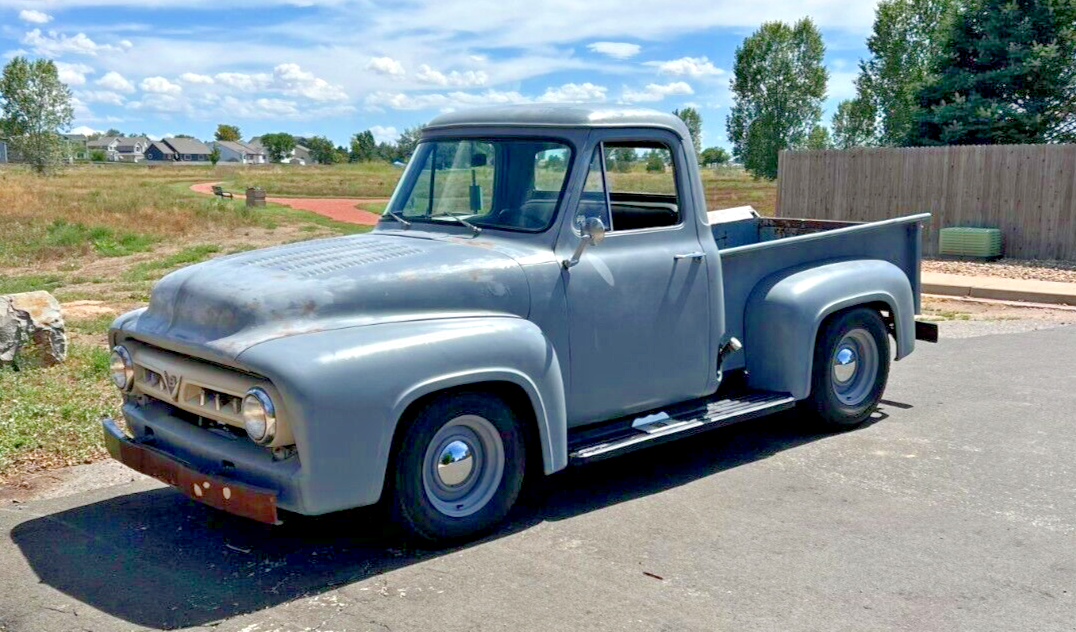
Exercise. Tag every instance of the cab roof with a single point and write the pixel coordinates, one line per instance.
(560, 115)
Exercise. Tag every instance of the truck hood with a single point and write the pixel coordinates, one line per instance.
(230, 303)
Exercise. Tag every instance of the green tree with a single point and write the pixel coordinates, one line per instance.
(36, 107)
(693, 120)
(622, 159)
(98, 155)
(819, 138)
(112, 131)
(363, 147)
(908, 35)
(654, 161)
(716, 156)
(1006, 75)
(214, 156)
(853, 123)
(278, 146)
(778, 87)
(405, 145)
(227, 132)
(322, 150)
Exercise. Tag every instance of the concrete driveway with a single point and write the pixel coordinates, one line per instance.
(955, 510)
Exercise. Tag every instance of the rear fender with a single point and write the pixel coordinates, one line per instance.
(785, 311)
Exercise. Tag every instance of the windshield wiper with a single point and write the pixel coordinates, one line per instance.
(396, 217)
(459, 219)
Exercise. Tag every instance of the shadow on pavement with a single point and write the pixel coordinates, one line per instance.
(159, 560)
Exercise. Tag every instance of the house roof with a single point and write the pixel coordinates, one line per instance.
(560, 115)
(161, 147)
(237, 147)
(75, 137)
(187, 146)
(102, 142)
(127, 143)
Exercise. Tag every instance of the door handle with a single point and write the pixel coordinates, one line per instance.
(699, 256)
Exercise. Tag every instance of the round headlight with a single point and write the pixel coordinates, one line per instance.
(121, 368)
(259, 416)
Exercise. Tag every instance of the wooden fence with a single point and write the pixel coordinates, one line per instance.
(1028, 191)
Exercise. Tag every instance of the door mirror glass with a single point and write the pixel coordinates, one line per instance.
(594, 230)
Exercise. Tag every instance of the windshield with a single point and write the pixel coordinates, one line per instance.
(509, 184)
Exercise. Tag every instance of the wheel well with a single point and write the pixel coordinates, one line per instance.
(511, 393)
(884, 310)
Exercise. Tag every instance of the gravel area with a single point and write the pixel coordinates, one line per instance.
(1060, 271)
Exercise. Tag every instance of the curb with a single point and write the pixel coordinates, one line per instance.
(1003, 290)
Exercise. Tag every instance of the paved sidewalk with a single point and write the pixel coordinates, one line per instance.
(999, 289)
(340, 209)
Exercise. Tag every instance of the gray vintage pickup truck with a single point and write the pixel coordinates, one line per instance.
(532, 298)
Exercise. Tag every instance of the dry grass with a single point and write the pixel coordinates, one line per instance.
(362, 180)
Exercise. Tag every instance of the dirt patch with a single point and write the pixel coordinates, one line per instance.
(945, 309)
(1028, 269)
(87, 309)
(339, 209)
(67, 481)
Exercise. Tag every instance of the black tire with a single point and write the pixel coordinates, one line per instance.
(411, 505)
(836, 405)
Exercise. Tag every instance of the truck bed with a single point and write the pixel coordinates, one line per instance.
(754, 248)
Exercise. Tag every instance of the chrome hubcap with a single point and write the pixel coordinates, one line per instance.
(455, 463)
(463, 466)
(855, 366)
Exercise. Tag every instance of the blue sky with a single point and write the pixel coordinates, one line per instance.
(336, 67)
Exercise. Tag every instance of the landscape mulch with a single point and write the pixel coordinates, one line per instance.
(1029, 269)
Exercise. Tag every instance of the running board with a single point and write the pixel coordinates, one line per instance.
(620, 436)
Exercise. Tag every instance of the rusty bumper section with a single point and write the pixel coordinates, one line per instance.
(234, 498)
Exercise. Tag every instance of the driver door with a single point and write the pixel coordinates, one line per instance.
(638, 303)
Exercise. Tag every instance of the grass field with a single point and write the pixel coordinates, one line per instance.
(98, 237)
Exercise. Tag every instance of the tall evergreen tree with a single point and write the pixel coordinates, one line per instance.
(1006, 75)
(778, 87)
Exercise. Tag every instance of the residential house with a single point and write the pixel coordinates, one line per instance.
(75, 147)
(159, 151)
(188, 149)
(300, 155)
(234, 151)
(131, 148)
(106, 144)
(3, 151)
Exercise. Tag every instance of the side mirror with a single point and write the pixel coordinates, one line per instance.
(478, 160)
(593, 233)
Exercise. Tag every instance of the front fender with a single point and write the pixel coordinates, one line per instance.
(346, 390)
(784, 313)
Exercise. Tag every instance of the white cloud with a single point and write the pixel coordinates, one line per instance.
(403, 101)
(294, 81)
(116, 82)
(384, 134)
(616, 50)
(55, 44)
(190, 77)
(101, 96)
(386, 66)
(656, 92)
(689, 66)
(86, 130)
(73, 74)
(159, 85)
(466, 79)
(574, 93)
(35, 17)
(161, 102)
(245, 82)
(842, 84)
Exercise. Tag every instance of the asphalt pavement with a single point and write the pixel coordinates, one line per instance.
(954, 510)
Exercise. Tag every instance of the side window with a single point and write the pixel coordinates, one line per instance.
(593, 202)
(550, 165)
(642, 185)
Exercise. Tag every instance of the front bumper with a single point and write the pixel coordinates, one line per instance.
(222, 493)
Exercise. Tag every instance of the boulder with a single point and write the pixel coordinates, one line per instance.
(32, 317)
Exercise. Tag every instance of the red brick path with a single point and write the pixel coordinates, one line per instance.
(340, 209)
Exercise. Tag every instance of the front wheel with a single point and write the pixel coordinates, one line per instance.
(459, 467)
(851, 367)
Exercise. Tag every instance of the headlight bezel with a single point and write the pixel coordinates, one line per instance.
(266, 411)
(120, 352)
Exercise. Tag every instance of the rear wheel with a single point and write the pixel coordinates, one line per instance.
(459, 467)
(851, 367)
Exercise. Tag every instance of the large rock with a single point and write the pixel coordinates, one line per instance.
(32, 317)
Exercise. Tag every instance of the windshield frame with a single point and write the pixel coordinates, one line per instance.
(414, 170)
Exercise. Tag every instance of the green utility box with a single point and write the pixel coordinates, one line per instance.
(981, 243)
